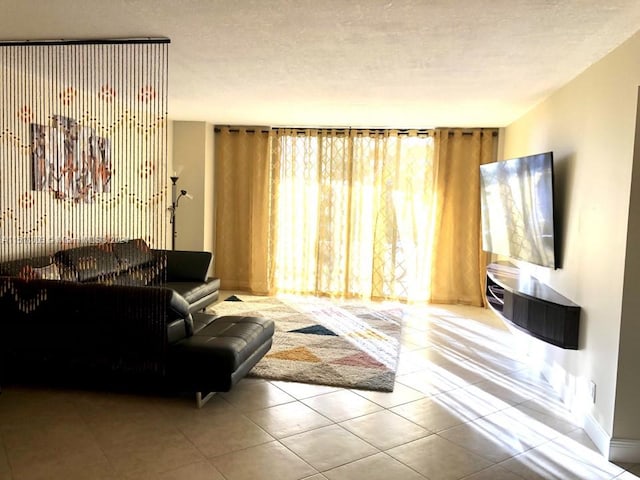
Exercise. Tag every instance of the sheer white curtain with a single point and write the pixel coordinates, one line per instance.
(353, 212)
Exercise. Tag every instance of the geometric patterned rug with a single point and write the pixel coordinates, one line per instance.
(343, 343)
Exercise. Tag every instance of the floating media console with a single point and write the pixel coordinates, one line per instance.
(531, 306)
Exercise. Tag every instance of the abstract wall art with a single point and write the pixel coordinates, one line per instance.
(71, 161)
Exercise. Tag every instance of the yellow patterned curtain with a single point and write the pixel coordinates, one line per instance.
(379, 214)
(457, 272)
(243, 189)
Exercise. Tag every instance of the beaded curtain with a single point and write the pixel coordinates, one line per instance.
(83, 144)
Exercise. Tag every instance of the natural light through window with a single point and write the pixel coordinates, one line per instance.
(354, 214)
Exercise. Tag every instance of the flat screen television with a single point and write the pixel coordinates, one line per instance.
(518, 210)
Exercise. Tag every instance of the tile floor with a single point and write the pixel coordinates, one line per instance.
(465, 405)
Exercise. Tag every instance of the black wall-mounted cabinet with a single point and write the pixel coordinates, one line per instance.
(532, 306)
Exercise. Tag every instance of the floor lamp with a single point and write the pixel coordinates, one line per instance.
(175, 198)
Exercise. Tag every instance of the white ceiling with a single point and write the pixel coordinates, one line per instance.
(374, 63)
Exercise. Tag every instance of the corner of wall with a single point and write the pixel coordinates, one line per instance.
(573, 391)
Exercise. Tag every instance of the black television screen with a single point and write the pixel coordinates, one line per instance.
(517, 209)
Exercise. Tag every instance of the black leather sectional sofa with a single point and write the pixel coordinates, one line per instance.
(121, 314)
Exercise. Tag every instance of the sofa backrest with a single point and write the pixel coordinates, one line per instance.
(133, 253)
(190, 266)
(88, 263)
(104, 262)
(131, 262)
(32, 267)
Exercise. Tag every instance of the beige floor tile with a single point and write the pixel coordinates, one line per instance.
(303, 390)
(98, 406)
(113, 432)
(581, 441)
(225, 435)
(288, 419)
(195, 471)
(401, 394)
(472, 402)
(192, 416)
(626, 476)
(549, 426)
(183, 409)
(341, 405)
(496, 357)
(516, 428)
(578, 448)
(249, 395)
(168, 451)
(414, 339)
(631, 468)
(433, 413)
(457, 369)
(433, 381)
(467, 373)
(551, 461)
(62, 445)
(5, 469)
(438, 459)
(119, 418)
(485, 439)
(415, 323)
(419, 360)
(550, 407)
(23, 407)
(385, 429)
(407, 346)
(494, 472)
(67, 468)
(451, 333)
(534, 385)
(329, 447)
(264, 462)
(376, 467)
(459, 314)
(504, 389)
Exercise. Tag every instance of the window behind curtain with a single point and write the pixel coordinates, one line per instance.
(353, 212)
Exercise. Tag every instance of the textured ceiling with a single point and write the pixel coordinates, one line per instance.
(375, 63)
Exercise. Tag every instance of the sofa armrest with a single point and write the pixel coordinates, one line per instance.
(186, 265)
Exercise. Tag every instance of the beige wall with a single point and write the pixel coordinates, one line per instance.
(193, 152)
(590, 127)
(627, 419)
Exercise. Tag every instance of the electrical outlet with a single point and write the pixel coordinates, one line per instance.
(592, 391)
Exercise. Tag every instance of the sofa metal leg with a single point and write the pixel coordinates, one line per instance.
(200, 401)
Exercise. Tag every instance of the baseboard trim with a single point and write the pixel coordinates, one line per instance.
(613, 449)
(597, 434)
(624, 450)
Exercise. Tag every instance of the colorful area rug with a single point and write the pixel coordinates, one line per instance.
(338, 343)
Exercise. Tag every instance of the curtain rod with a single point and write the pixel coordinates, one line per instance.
(401, 131)
(337, 129)
(96, 41)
